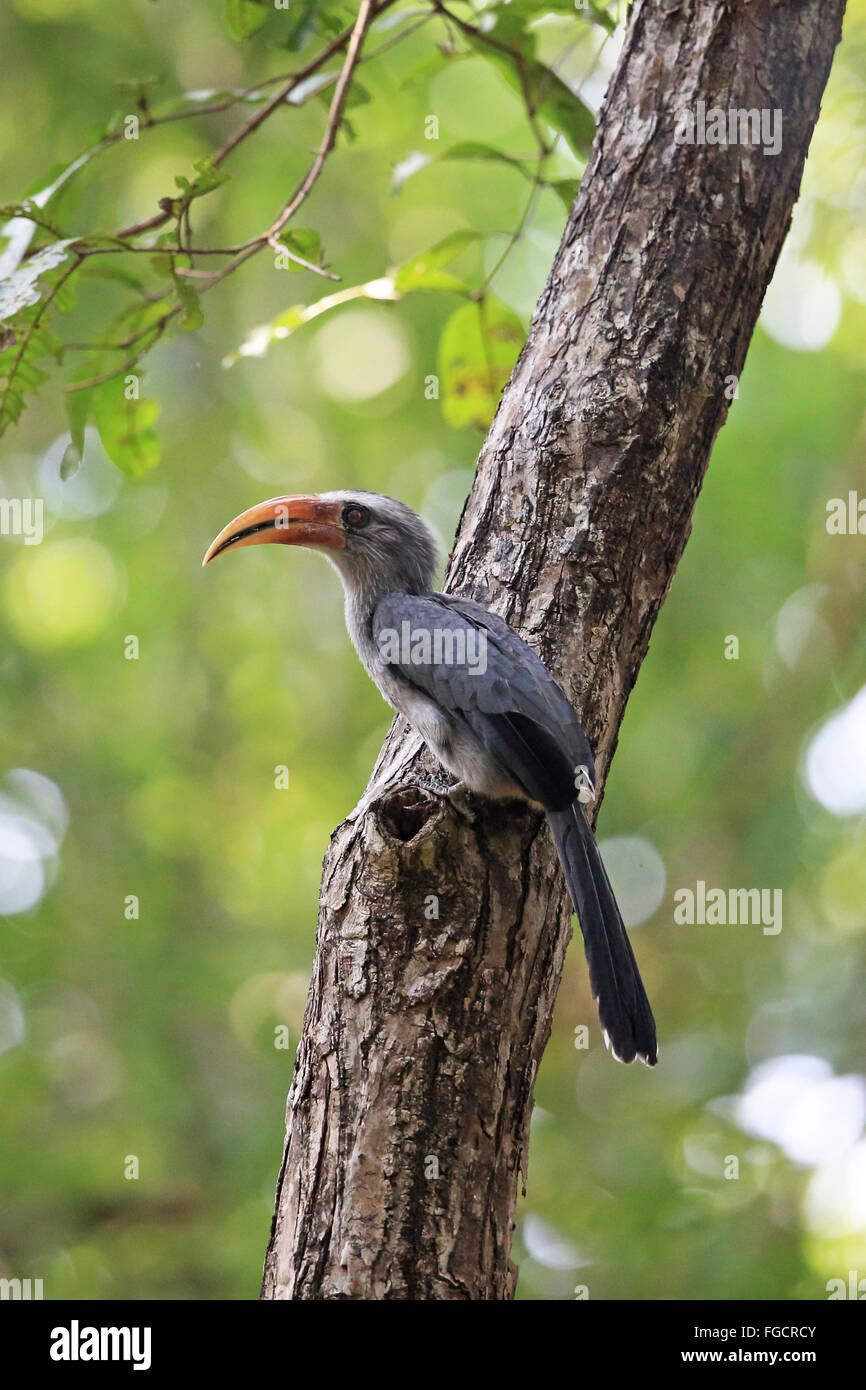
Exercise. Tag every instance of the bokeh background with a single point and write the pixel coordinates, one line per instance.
(152, 1036)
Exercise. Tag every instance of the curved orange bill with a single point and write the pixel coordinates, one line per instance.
(299, 520)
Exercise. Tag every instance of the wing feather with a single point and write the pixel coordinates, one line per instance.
(511, 702)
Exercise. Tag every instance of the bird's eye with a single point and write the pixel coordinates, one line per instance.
(355, 515)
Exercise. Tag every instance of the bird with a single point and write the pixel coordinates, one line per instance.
(482, 700)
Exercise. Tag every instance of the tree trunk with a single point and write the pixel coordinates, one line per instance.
(409, 1112)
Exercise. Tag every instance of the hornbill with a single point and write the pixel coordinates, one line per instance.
(500, 724)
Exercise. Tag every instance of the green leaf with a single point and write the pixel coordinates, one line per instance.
(27, 340)
(600, 16)
(304, 242)
(425, 271)
(259, 339)
(511, 27)
(529, 10)
(545, 94)
(29, 212)
(245, 17)
(71, 461)
(191, 316)
(302, 27)
(126, 427)
(79, 405)
(137, 316)
(209, 178)
(357, 95)
(479, 346)
(432, 65)
(165, 265)
(332, 24)
(78, 408)
(415, 160)
(137, 87)
(422, 272)
(95, 269)
(474, 149)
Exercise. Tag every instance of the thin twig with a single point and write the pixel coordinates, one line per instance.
(288, 85)
(362, 23)
(366, 12)
(352, 38)
(259, 117)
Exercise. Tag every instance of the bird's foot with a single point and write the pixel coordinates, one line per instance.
(459, 796)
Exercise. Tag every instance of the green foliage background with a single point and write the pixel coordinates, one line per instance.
(154, 1036)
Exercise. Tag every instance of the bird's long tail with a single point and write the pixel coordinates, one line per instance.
(623, 1007)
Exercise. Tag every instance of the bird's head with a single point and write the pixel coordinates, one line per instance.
(377, 544)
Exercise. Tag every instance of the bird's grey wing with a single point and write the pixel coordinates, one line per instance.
(548, 694)
(526, 725)
(509, 700)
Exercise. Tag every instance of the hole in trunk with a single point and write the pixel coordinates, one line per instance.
(404, 812)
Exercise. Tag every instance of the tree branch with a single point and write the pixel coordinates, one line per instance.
(335, 115)
(409, 1111)
(287, 87)
(308, 182)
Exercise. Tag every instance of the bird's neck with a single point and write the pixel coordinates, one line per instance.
(359, 617)
(362, 600)
(365, 586)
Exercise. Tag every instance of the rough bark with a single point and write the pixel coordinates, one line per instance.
(422, 1038)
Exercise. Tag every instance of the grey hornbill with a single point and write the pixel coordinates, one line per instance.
(501, 725)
